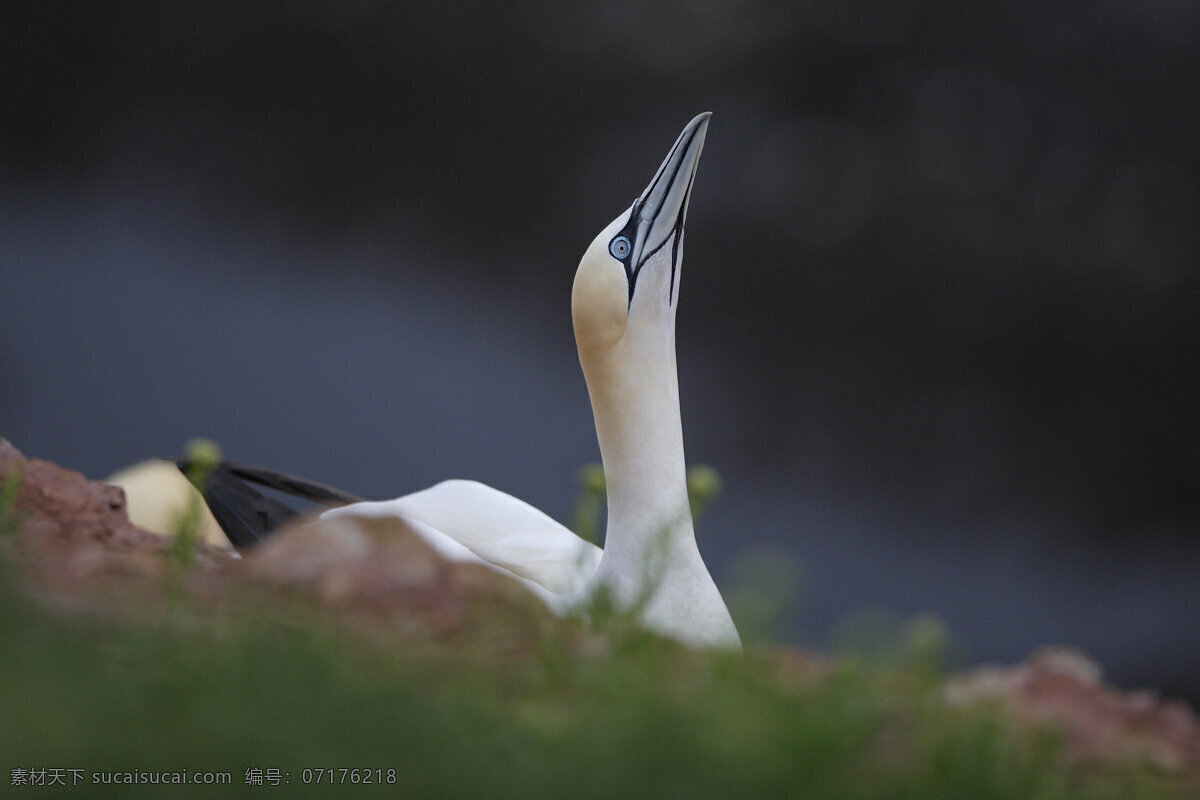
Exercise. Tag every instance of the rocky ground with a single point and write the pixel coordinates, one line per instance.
(77, 551)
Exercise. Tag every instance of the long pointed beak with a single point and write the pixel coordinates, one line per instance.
(660, 211)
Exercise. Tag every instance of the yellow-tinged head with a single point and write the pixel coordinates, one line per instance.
(628, 279)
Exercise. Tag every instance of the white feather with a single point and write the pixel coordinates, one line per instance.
(470, 521)
(625, 332)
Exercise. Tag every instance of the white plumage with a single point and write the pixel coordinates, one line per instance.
(470, 521)
(623, 305)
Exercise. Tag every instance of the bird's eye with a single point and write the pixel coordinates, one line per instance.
(619, 247)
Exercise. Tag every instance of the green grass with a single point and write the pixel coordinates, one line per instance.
(631, 717)
(10, 517)
(512, 706)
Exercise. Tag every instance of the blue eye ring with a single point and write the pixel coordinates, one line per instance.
(620, 248)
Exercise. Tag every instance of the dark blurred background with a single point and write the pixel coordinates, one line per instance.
(938, 331)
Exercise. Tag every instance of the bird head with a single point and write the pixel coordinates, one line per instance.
(627, 283)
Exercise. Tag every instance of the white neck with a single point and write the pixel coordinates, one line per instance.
(650, 553)
(641, 443)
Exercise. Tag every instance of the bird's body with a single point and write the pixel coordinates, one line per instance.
(470, 521)
(623, 304)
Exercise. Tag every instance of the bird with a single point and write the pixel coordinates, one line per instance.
(623, 307)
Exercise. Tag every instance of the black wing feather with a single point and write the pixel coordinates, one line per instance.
(290, 484)
(246, 515)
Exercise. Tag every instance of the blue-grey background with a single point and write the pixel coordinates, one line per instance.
(938, 331)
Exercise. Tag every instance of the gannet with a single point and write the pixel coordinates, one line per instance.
(623, 304)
